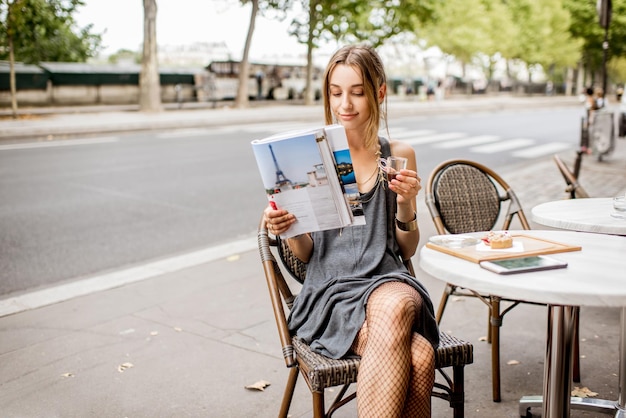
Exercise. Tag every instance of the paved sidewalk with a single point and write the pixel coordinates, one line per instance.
(185, 342)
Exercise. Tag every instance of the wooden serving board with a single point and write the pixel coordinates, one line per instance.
(532, 246)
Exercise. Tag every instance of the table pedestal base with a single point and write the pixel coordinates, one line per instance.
(559, 363)
(583, 404)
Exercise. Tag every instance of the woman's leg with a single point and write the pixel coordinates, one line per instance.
(396, 371)
(422, 378)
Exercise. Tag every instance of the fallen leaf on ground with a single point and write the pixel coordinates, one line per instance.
(583, 392)
(124, 366)
(512, 362)
(260, 385)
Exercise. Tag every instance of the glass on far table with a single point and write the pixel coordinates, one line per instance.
(619, 207)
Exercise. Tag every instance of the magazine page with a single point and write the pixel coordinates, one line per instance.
(334, 181)
(295, 177)
(343, 161)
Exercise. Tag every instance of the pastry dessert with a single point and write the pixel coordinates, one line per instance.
(498, 240)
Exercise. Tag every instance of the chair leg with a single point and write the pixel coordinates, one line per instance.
(318, 405)
(489, 332)
(444, 300)
(496, 323)
(576, 354)
(288, 395)
(457, 400)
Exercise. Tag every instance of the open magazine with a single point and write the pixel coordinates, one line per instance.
(309, 173)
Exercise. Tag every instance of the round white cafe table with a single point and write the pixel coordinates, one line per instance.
(595, 276)
(588, 215)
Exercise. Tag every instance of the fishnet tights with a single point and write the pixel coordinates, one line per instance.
(397, 370)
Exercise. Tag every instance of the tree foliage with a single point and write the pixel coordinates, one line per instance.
(535, 32)
(42, 30)
(543, 37)
(461, 30)
(45, 30)
(501, 37)
(259, 7)
(353, 21)
(585, 26)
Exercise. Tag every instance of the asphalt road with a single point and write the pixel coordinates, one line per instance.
(115, 201)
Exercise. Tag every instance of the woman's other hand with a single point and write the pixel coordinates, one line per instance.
(278, 221)
(407, 185)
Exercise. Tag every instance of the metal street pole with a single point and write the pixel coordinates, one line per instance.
(604, 8)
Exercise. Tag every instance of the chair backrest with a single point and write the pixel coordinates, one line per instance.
(574, 189)
(295, 267)
(465, 196)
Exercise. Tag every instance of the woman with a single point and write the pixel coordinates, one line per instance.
(358, 298)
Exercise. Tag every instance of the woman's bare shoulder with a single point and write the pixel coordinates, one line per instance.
(401, 149)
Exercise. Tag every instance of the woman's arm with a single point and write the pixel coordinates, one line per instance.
(406, 185)
(301, 246)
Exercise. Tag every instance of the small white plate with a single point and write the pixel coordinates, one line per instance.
(618, 215)
(454, 241)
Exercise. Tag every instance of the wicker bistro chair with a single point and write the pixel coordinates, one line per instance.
(574, 189)
(462, 197)
(320, 372)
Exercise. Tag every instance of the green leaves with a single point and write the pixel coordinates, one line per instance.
(45, 30)
(585, 26)
(536, 32)
(354, 21)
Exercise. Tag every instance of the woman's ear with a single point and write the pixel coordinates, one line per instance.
(382, 91)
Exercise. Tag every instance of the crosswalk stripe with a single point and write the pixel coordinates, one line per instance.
(470, 140)
(540, 150)
(392, 132)
(277, 127)
(435, 138)
(183, 132)
(506, 145)
(411, 134)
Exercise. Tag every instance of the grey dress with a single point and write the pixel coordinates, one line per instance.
(345, 267)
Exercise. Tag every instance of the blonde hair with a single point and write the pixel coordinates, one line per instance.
(369, 64)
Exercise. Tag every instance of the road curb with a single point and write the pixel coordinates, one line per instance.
(55, 294)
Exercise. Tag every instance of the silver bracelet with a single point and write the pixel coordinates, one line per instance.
(408, 226)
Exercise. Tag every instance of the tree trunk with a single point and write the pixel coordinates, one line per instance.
(580, 79)
(149, 83)
(244, 69)
(309, 94)
(569, 82)
(12, 81)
